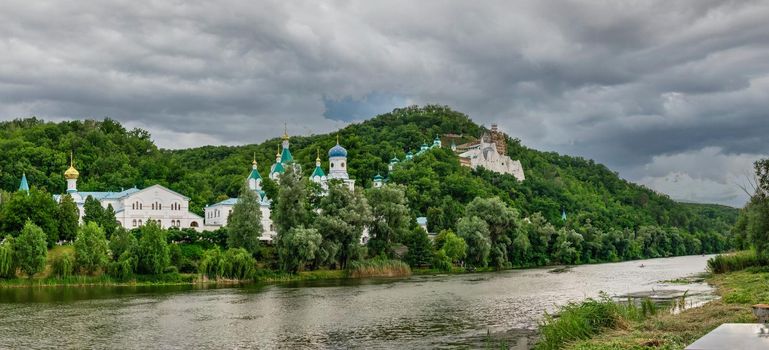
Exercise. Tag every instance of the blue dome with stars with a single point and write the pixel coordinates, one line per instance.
(337, 151)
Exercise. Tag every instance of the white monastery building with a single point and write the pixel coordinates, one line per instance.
(490, 152)
(134, 207)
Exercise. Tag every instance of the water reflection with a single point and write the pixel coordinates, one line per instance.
(417, 312)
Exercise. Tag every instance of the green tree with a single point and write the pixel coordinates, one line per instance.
(501, 222)
(420, 248)
(7, 263)
(452, 245)
(343, 216)
(567, 245)
(37, 207)
(30, 249)
(475, 232)
(153, 254)
(109, 221)
(298, 247)
(69, 218)
(292, 209)
(390, 218)
(121, 242)
(758, 225)
(93, 211)
(244, 226)
(91, 250)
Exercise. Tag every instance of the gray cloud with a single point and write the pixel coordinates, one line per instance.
(645, 87)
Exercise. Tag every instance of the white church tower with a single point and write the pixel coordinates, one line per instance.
(337, 159)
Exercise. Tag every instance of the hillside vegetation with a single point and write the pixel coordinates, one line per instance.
(110, 157)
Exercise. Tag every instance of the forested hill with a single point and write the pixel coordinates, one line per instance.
(109, 157)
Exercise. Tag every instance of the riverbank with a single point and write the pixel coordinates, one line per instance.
(738, 291)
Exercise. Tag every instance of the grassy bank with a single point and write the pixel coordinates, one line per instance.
(101, 280)
(738, 290)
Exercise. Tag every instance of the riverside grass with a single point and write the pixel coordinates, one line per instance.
(378, 267)
(585, 319)
(738, 290)
(735, 261)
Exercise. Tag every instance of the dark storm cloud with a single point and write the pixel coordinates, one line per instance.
(671, 94)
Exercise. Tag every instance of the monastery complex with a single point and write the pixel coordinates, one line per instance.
(134, 207)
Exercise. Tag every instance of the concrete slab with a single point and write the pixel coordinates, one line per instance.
(744, 336)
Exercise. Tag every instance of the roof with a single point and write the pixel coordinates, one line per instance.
(24, 185)
(394, 160)
(318, 172)
(286, 156)
(337, 151)
(378, 177)
(228, 201)
(254, 174)
(278, 168)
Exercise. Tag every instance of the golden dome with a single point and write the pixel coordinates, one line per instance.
(71, 173)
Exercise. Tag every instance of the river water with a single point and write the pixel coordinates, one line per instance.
(453, 311)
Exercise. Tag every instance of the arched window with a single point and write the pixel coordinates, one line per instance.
(140, 222)
(160, 206)
(152, 206)
(342, 164)
(141, 206)
(133, 206)
(134, 223)
(194, 224)
(331, 164)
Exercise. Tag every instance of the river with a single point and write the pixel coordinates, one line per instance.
(447, 311)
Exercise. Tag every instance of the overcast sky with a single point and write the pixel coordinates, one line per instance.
(671, 94)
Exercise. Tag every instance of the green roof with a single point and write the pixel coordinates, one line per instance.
(286, 157)
(377, 177)
(254, 174)
(278, 168)
(318, 172)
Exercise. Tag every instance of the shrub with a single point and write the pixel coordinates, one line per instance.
(240, 263)
(211, 264)
(441, 261)
(191, 255)
(234, 263)
(124, 268)
(63, 265)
